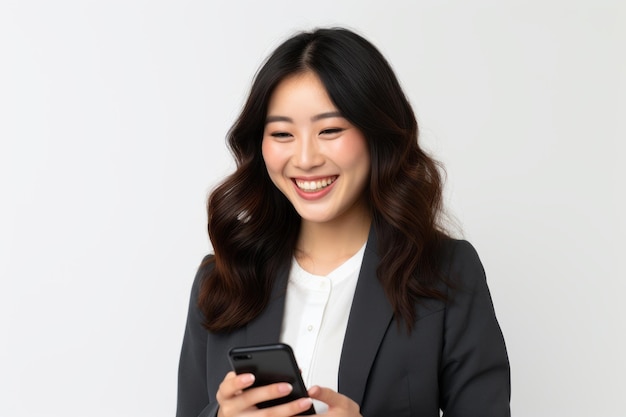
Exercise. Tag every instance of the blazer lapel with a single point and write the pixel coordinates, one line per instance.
(370, 316)
(265, 329)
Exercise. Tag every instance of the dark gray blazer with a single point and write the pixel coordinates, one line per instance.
(454, 359)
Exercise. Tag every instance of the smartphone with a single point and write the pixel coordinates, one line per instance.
(270, 364)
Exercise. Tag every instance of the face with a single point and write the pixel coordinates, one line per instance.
(316, 157)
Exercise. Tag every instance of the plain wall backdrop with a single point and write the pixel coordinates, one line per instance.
(113, 116)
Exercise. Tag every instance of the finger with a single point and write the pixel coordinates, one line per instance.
(265, 393)
(314, 390)
(230, 395)
(333, 398)
(291, 408)
(233, 384)
(248, 399)
(325, 395)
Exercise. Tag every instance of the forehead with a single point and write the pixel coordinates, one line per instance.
(297, 93)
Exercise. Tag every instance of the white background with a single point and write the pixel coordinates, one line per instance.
(112, 123)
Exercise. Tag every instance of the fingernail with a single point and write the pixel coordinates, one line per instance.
(284, 388)
(247, 378)
(305, 402)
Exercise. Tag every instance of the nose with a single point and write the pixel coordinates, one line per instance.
(307, 154)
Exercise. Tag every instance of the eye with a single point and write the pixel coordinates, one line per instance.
(280, 135)
(332, 131)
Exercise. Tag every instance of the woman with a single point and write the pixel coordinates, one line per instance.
(327, 237)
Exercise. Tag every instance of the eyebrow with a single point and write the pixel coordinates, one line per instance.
(326, 115)
(315, 118)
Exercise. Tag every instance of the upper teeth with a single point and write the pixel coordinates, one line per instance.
(315, 185)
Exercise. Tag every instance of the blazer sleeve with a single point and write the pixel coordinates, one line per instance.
(193, 398)
(475, 375)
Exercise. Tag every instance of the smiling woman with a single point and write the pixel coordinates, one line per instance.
(328, 237)
(316, 157)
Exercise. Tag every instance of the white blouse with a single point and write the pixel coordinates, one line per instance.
(315, 320)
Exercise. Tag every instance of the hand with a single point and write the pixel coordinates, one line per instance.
(235, 402)
(338, 404)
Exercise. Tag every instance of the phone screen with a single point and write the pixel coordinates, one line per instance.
(270, 364)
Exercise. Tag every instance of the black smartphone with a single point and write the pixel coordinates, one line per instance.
(270, 364)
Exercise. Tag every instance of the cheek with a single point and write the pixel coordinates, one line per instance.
(268, 154)
(274, 157)
(354, 154)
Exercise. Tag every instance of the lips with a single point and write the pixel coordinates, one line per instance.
(314, 185)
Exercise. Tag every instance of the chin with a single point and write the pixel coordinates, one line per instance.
(315, 218)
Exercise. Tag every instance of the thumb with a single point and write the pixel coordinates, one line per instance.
(325, 395)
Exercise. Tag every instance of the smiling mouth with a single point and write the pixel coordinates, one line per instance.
(313, 186)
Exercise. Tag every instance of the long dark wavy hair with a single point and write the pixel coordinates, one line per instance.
(254, 228)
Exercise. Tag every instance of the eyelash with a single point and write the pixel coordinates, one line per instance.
(330, 131)
(281, 135)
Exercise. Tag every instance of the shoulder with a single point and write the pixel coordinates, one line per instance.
(467, 291)
(462, 274)
(460, 262)
(458, 250)
(205, 267)
(202, 273)
(459, 275)
(207, 262)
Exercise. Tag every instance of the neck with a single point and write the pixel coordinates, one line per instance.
(322, 247)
